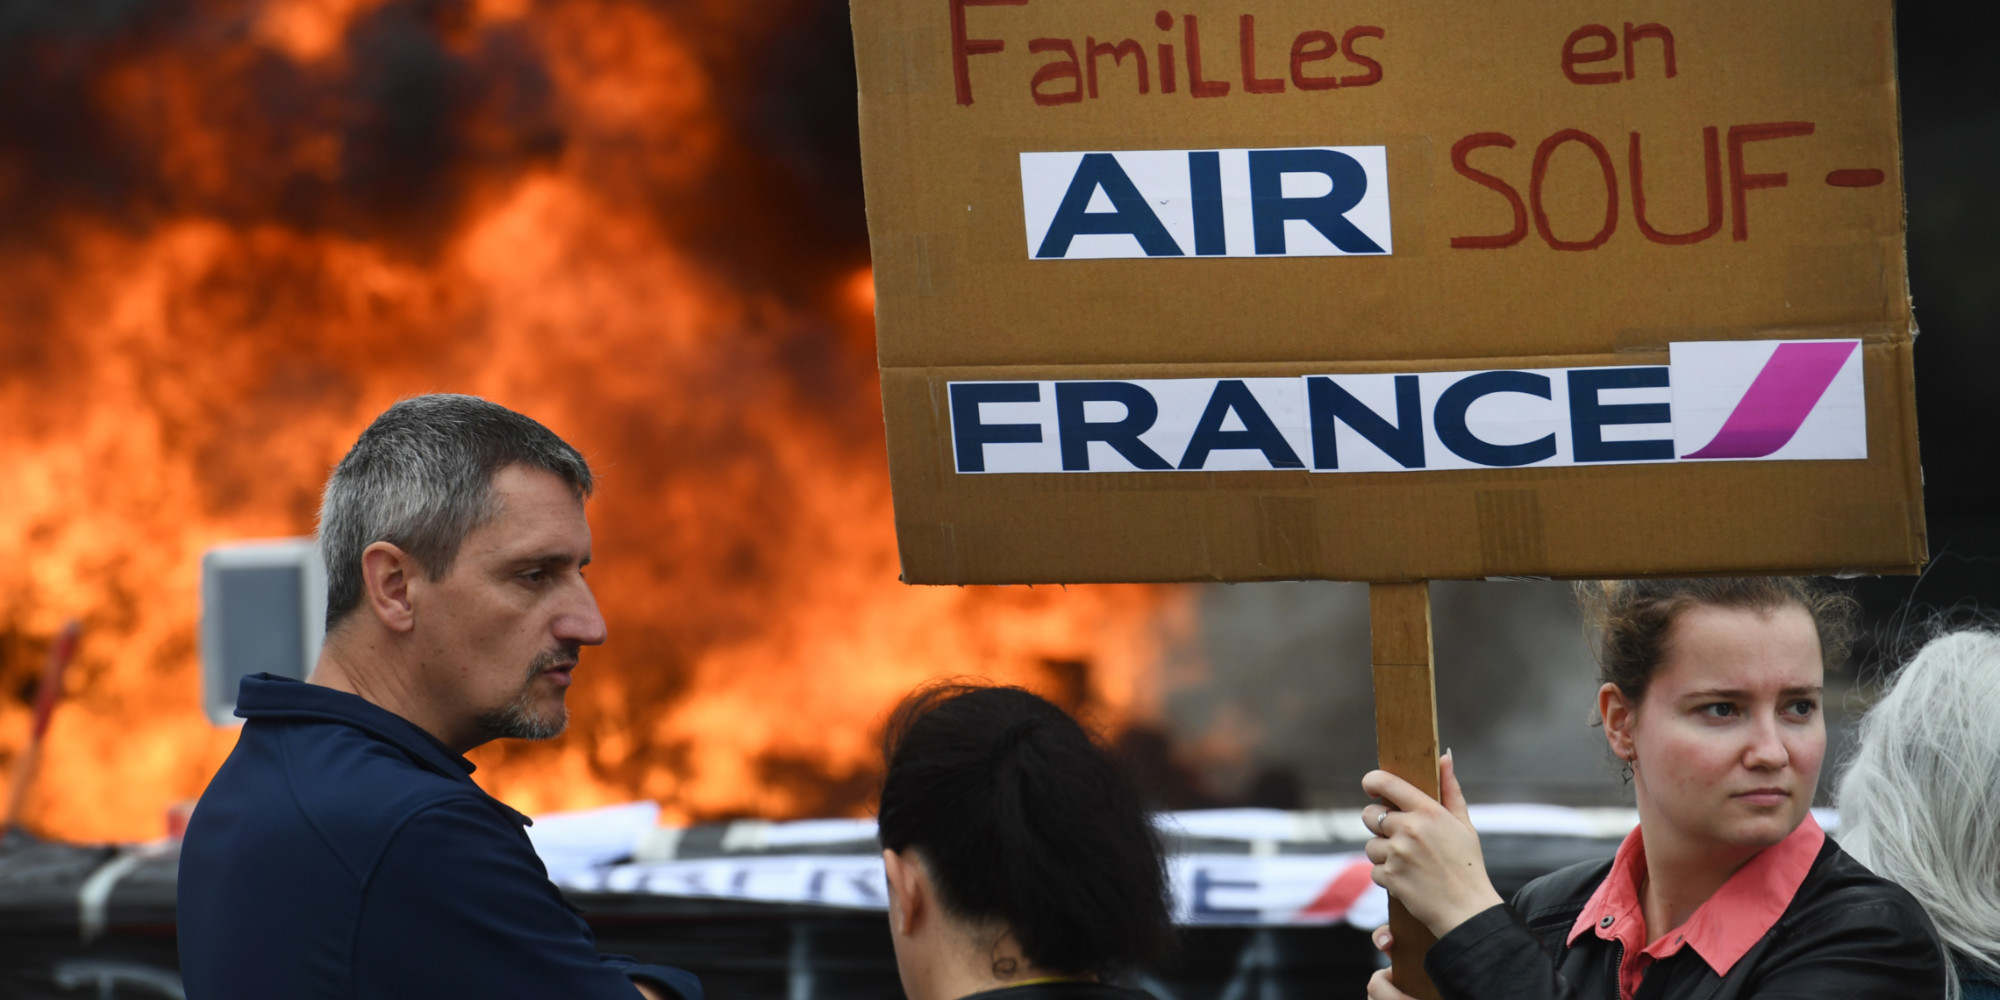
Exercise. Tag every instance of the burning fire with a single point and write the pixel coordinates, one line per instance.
(238, 231)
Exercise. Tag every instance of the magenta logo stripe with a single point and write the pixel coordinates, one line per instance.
(1779, 400)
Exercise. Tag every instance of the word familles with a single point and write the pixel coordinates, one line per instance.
(1074, 73)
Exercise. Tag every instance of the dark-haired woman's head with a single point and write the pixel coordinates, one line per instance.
(1014, 847)
(1710, 694)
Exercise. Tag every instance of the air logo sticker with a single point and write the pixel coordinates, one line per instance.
(1317, 201)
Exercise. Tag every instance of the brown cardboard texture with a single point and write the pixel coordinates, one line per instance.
(1093, 194)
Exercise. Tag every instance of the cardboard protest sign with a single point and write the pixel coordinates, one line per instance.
(1270, 289)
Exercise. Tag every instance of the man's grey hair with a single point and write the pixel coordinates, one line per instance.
(421, 479)
(1920, 803)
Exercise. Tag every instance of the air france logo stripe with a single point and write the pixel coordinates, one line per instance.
(1779, 400)
(1713, 401)
(1769, 400)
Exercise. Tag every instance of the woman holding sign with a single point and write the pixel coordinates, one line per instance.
(1710, 696)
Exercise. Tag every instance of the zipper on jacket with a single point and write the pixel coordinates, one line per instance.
(1617, 969)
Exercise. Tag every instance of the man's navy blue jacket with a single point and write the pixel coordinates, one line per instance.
(342, 852)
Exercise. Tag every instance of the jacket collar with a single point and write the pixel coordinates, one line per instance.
(264, 696)
(1721, 930)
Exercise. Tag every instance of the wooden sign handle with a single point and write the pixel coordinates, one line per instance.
(1406, 739)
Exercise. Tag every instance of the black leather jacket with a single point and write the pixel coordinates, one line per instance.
(1848, 935)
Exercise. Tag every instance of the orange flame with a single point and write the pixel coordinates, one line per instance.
(183, 367)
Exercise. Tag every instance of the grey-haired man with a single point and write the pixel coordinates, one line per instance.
(343, 849)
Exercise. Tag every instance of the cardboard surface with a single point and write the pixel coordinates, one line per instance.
(1461, 196)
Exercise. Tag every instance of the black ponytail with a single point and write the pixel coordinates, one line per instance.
(1021, 819)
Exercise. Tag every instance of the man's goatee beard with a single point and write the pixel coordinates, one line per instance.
(517, 720)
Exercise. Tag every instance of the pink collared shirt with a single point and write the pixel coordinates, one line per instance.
(1722, 930)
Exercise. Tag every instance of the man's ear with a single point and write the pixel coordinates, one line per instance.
(386, 572)
(909, 892)
(1619, 715)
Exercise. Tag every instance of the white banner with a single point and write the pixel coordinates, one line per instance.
(1207, 888)
(620, 850)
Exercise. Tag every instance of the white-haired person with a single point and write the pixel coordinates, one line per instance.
(1920, 802)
